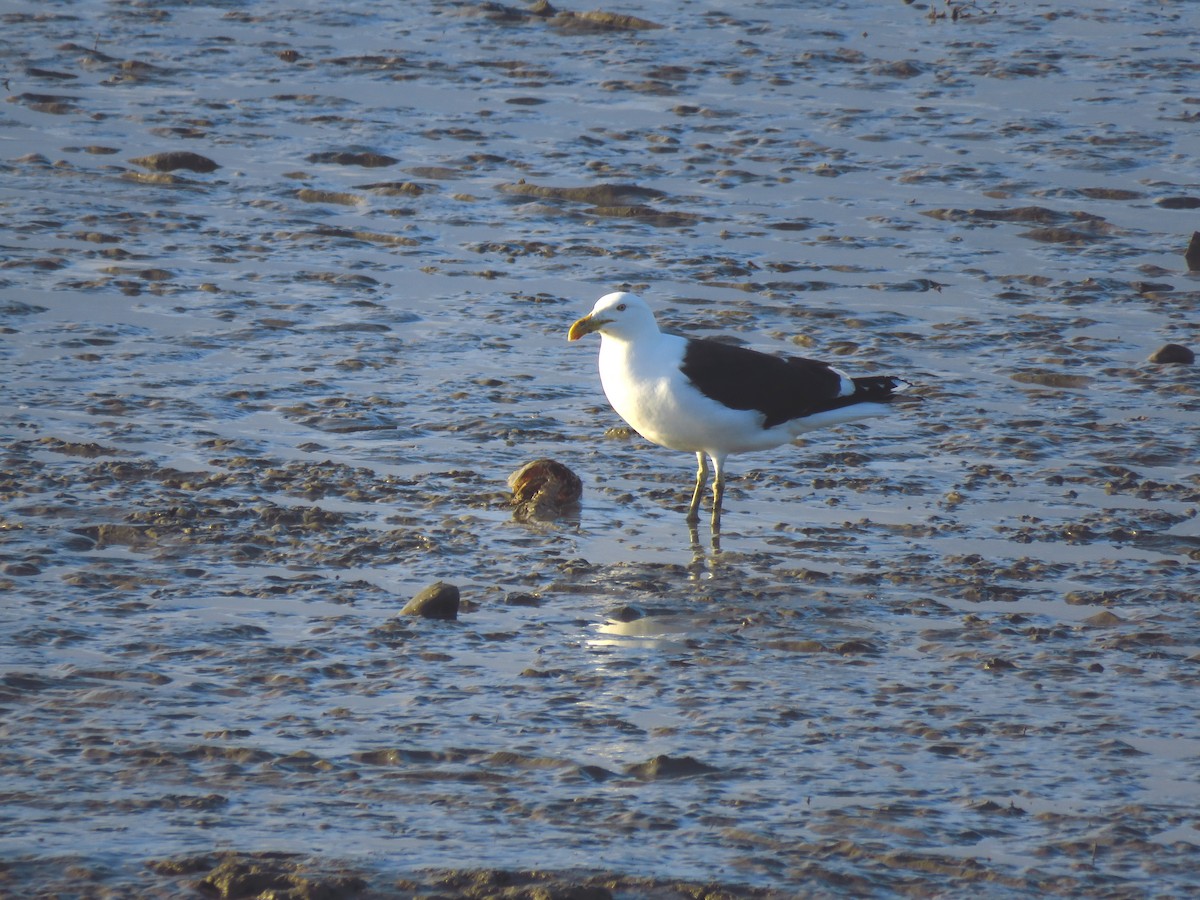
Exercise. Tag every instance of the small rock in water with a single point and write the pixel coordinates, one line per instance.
(520, 598)
(176, 159)
(367, 159)
(544, 490)
(1173, 353)
(1192, 254)
(669, 767)
(438, 601)
(1178, 202)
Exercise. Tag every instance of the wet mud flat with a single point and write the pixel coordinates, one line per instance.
(283, 300)
(291, 876)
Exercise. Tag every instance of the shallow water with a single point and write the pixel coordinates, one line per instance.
(250, 412)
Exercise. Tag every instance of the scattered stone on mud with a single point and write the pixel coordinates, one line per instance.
(599, 20)
(504, 884)
(155, 178)
(1103, 619)
(176, 159)
(438, 601)
(593, 194)
(394, 188)
(564, 20)
(1178, 202)
(114, 535)
(1151, 287)
(664, 766)
(1040, 215)
(1173, 353)
(49, 74)
(791, 225)
(544, 490)
(53, 104)
(233, 876)
(1192, 254)
(370, 237)
(1075, 236)
(521, 598)
(487, 884)
(366, 160)
(856, 648)
(438, 173)
(1110, 193)
(1051, 379)
(341, 198)
(647, 214)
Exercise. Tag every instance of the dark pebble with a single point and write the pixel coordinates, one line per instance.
(176, 159)
(345, 158)
(1192, 254)
(853, 648)
(438, 601)
(517, 598)
(996, 664)
(1173, 353)
(669, 767)
(21, 569)
(1178, 202)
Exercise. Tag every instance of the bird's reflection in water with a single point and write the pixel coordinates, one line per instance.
(705, 555)
(634, 627)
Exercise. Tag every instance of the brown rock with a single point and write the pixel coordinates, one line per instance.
(595, 194)
(599, 20)
(244, 876)
(1173, 353)
(544, 490)
(1192, 253)
(669, 767)
(367, 159)
(438, 601)
(1178, 202)
(175, 159)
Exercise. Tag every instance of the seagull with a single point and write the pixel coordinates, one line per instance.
(712, 398)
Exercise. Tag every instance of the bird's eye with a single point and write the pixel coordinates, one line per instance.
(620, 307)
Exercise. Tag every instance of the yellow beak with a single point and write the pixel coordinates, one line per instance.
(586, 325)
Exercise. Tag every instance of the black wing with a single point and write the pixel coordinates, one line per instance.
(782, 388)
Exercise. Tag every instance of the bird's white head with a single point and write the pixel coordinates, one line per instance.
(619, 315)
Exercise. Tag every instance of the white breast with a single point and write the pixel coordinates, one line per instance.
(643, 383)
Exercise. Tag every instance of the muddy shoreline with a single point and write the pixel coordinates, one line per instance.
(284, 294)
(247, 876)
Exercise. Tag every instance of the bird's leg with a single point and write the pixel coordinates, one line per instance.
(718, 491)
(701, 479)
